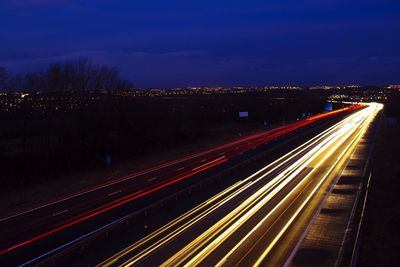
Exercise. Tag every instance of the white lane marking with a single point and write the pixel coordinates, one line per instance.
(181, 168)
(59, 213)
(114, 193)
(220, 154)
(203, 160)
(137, 192)
(208, 163)
(236, 147)
(28, 263)
(152, 179)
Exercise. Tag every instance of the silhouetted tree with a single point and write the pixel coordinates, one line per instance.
(35, 81)
(55, 78)
(76, 75)
(15, 83)
(3, 77)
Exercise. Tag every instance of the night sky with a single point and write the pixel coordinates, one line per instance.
(169, 43)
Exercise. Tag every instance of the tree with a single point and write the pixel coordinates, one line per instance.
(35, 81)
(83, 73)
(15, 83)
(54, 78)
(74, 75)
(3, 77)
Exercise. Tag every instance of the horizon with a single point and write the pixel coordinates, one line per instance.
(267, 87)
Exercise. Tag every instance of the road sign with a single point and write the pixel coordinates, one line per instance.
(243, 114)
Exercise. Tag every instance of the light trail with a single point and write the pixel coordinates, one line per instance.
(94, 213)
(148, 170)
(241, 214)
(282, 129)
(283, 160)
(242, 201)
(234, 148)
(276, 239)
(291, 220)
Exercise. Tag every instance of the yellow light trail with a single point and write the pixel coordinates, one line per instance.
(343, 134)
(292, 154)
(276, 239)
(203, 245)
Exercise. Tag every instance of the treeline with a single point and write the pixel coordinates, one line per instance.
(75, 75)
(3, 77)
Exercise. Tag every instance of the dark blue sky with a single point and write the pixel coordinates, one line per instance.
(210, 42)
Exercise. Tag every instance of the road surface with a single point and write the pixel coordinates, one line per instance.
(259, 220)
(33, 233)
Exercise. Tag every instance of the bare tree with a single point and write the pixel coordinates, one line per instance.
(54, 78)
(3, 77)
(83, 73)
(70, 77)
(74, 75)
(35, 81)
(15, 83)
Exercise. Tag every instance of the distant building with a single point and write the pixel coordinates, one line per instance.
(243, 114)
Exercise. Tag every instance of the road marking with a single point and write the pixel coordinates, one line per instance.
(181, 168)
(59, 213)
(208, 163)
(114, 193)
(137, 192)
(203, 160)
(223, 153)
(152, 179)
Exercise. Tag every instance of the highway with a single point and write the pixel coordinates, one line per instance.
(259, 220)
(32, 232)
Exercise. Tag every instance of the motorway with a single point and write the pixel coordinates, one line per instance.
(259, 220)
(34, 232)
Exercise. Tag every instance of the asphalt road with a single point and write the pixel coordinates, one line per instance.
(33, 232)
(259, 220)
